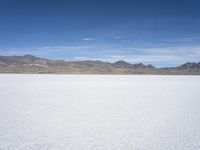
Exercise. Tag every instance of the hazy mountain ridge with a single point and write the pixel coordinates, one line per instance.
(32, 64)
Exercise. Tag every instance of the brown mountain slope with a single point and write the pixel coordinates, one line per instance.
(32, 64)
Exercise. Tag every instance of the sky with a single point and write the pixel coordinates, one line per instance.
(158, 32)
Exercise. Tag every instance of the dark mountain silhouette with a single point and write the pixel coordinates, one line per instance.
(32, 64)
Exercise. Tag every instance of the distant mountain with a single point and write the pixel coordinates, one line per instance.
(32, 64)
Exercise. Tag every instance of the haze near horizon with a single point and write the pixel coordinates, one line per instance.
(157, 32)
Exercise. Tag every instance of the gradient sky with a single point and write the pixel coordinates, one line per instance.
(158, 32)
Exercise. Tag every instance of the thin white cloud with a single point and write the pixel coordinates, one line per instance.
(81, 58)
(88, 39)
(153, 55)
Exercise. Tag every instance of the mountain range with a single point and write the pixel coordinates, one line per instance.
(35, 65)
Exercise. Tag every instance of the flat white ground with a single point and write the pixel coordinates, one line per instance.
(80, 112)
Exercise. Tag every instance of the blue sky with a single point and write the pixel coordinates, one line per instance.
(158, 32)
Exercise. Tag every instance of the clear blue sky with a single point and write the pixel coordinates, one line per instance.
(158, 32)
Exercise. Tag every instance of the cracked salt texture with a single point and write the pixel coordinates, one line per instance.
(84, 112)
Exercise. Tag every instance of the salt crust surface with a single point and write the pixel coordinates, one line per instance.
(99, 112)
